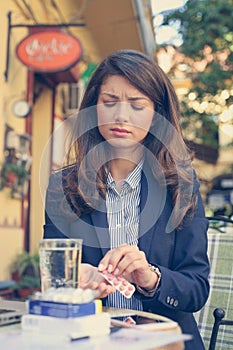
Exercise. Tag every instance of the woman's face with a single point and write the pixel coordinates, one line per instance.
(124, 113)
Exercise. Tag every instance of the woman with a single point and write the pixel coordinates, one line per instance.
(131, 194)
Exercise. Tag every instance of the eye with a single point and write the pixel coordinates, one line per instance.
(137, 107)
(109, 103)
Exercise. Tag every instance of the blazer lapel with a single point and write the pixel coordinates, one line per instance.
(92, 229)
(99, 219)
(153, 218)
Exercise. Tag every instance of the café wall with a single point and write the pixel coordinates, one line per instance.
(12, 234)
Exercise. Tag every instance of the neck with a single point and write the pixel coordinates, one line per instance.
(121, 168)
(124, 161)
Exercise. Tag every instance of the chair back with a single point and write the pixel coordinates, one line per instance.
(220, 251)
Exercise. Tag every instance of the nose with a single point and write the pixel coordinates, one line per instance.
(122, 112)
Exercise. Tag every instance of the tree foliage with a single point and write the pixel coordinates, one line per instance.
(206, 27)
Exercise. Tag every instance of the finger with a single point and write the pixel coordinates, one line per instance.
(113, 257)
(124, 264)
(106, 288)
(89, 284)
(131, 262)
(121, 258)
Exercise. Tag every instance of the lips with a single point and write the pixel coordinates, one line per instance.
(120, 131)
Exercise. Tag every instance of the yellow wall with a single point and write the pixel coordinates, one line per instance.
(11, 234)
(41, 130)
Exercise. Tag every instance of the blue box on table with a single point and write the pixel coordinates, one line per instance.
(63, 310)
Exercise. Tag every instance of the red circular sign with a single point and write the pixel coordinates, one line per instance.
(49, 52)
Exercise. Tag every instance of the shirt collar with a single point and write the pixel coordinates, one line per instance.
(132, 179)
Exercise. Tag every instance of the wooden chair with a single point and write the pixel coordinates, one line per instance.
(220, 301)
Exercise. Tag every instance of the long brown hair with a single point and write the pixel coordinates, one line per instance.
(85, 185)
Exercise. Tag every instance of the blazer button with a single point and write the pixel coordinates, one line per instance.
(171, 301)
(168, 300)
(176, 303)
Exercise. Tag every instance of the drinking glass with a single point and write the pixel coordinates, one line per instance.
(60, 261)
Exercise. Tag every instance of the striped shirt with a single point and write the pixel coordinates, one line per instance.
(123, 212)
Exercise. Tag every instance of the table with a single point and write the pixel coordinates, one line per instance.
(167, 326)
(12, 337)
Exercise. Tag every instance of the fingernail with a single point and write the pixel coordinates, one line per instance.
(100, 267)
(110, 268)
(117, 271)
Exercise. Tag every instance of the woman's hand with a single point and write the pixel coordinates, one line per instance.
(91, 278)
(130, 262)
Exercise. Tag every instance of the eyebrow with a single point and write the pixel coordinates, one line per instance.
(136, 98)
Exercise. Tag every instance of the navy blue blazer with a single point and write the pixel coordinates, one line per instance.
(181, 255)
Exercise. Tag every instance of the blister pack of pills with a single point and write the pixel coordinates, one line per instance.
(120, 283)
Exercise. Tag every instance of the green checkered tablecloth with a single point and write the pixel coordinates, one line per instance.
(220, 250)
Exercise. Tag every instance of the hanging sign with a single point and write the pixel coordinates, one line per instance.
(49, 51)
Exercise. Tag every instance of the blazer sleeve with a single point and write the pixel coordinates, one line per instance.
(184, 284)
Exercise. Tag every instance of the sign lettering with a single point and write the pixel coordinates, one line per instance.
(49, 51)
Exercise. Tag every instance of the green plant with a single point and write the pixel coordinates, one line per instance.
(29, 282)
(24, 264)
(17, 169)
(15, 176)
(25, 270)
